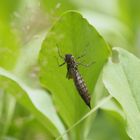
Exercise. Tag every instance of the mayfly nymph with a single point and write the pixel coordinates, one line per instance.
(73, 73)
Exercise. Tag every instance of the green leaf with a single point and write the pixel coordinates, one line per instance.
(72, 34)
(121, 78)
(37, 101)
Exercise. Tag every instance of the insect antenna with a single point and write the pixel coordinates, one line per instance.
(60, 56)
(59, 52)
(84, 52)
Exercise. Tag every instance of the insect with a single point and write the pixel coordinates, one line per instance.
(73, 73)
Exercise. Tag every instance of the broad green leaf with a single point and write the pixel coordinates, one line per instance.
(101, 92)
(37, 101)
(121, 78)
(72, 34)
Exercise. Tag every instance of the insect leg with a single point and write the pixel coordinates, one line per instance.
(85, 65)
(81, 56)
(85, 52)
(61, 64)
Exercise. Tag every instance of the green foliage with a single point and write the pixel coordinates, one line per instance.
(37, 101)
(73, 41)
(121, 79)
(34, 100)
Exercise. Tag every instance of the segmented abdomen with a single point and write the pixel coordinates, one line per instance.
(81, 87)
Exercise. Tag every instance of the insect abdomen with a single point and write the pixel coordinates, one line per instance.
(81, 87)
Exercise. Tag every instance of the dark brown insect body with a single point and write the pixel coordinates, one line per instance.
(73, 73)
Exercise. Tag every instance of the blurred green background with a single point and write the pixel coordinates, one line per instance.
(23, 27)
